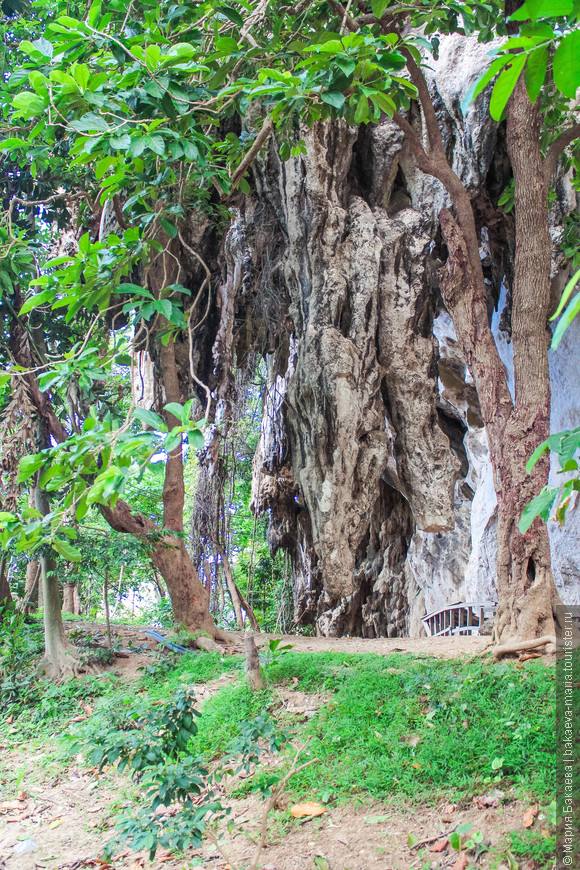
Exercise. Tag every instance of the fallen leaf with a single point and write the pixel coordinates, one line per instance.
(301, 811)
(530, 815)
(440, 845)
(10, 719)
(55, 824)
(450, 808)
(22, 795)
(486, 800)
(10, 805)
(461, 862)
(525, 656)
(465, 724)
(411, 739)
(375, 820)
(417, 766)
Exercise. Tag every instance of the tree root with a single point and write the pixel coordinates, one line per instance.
(515, 646)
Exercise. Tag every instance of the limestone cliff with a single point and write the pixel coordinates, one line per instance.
(372, 459)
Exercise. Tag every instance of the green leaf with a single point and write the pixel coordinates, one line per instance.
(196, 439)
(230, 13)
(177, 410)
(540, 506)
(155, 144)
(66, 550)
(169, 227)
(566, 294)
(566, 64)
(570, 313)
(455, 841)
(503, 88)
(482, 82)
(535, 9)
(138, 145)
(535, 72)
(150, 418)
(28, 105)
(35, 301)
(28, 466)
(379, 6)
(8, 144)
(539, 451)
(362, 110)
(333, 98)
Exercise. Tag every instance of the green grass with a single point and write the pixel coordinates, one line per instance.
(361, 735)
(395, 725)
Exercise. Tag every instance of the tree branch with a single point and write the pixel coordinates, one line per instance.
(560, 142)
(267, 129)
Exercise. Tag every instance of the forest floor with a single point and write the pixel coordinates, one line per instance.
(414, 738)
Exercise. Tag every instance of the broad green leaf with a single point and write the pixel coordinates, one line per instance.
(28, 105)
(28, 466)
(539, 506)
(455, 841)
(35, 301)
(66, 550)
(150, 418)
(230, 13)
(566, 64)
(504, 86)
(8, 144)
(196, 439)
(379, 6)
(535, 9)
(482, 82)
(362, 110)
(333, 98)
(177, 410)
(535, 72)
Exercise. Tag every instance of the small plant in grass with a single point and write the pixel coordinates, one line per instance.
(180, 793)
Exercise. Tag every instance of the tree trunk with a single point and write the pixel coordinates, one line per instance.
(68, 597)
(31, 586)
(5, 594)
(526, 589)
(236, 595)
(59, 660)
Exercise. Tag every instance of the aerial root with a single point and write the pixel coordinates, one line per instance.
(515, 646)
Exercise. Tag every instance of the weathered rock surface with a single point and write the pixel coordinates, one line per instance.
(372, 459)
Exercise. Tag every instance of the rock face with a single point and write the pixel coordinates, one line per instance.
(372, 458)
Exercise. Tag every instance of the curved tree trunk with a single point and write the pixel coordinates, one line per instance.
(527, 592)
(59, 660)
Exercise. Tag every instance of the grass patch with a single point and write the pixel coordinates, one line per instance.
(192, 668)
(424, 727)
(222, 716)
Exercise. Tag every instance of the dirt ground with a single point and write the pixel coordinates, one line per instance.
(60, 820)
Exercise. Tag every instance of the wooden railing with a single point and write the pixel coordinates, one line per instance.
(460, 618)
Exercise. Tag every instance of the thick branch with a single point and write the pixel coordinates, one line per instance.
(436, 146)
(267, 129)
(562, 141)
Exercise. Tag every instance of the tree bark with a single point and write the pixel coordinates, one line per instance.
(526, 589)
(31, 585)
(236, 595)
(59, 660)
(527, 595)
(5, 593)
